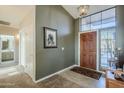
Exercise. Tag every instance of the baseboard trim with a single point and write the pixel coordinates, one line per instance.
(36, 81)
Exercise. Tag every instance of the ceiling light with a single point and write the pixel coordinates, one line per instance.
(83, 10)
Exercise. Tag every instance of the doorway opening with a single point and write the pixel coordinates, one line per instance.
(17, 40)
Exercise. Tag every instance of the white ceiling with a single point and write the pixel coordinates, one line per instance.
(73, 9)
(14, 13)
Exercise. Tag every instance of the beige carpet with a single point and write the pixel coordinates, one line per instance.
(57, 82)
(22, 80)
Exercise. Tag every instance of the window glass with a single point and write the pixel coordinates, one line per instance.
(96, 21)
(85, 24)
(105, 19)
(108, 18)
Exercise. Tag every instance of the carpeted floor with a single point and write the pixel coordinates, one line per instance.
(20, 80)
(24, 81)
(87, 72)
(14, 78)
(58, 82)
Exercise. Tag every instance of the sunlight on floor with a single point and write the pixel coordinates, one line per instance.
(10, 71)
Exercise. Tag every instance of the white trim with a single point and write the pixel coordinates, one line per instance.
(19, 48)
(79, 43)
(34, 47)
(87, 31)
(36, 81)
(79, 48)
(98, 53)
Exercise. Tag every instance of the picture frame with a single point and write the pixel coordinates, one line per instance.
(50, 37)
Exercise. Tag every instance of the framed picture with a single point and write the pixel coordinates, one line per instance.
(50, 38)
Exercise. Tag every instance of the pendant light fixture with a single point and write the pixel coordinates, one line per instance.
(83, 10)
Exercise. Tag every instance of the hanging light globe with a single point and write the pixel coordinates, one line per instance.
(83, 10)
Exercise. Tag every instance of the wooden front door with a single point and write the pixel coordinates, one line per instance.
(88, 50)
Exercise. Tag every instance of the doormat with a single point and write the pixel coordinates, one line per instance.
(87, 72)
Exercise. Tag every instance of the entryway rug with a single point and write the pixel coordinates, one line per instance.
(87, 72)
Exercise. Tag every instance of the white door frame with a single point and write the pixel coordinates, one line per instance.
(20, 56)
(21, 48)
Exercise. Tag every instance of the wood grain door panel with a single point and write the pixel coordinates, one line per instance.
(88, 50)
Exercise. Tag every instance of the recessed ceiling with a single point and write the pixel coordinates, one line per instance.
(73, 9)
(14, 14)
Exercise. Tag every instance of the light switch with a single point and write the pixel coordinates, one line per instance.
(63, 48)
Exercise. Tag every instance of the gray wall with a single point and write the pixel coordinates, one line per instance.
(49, 61)
(120, 29)
(76, 41)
